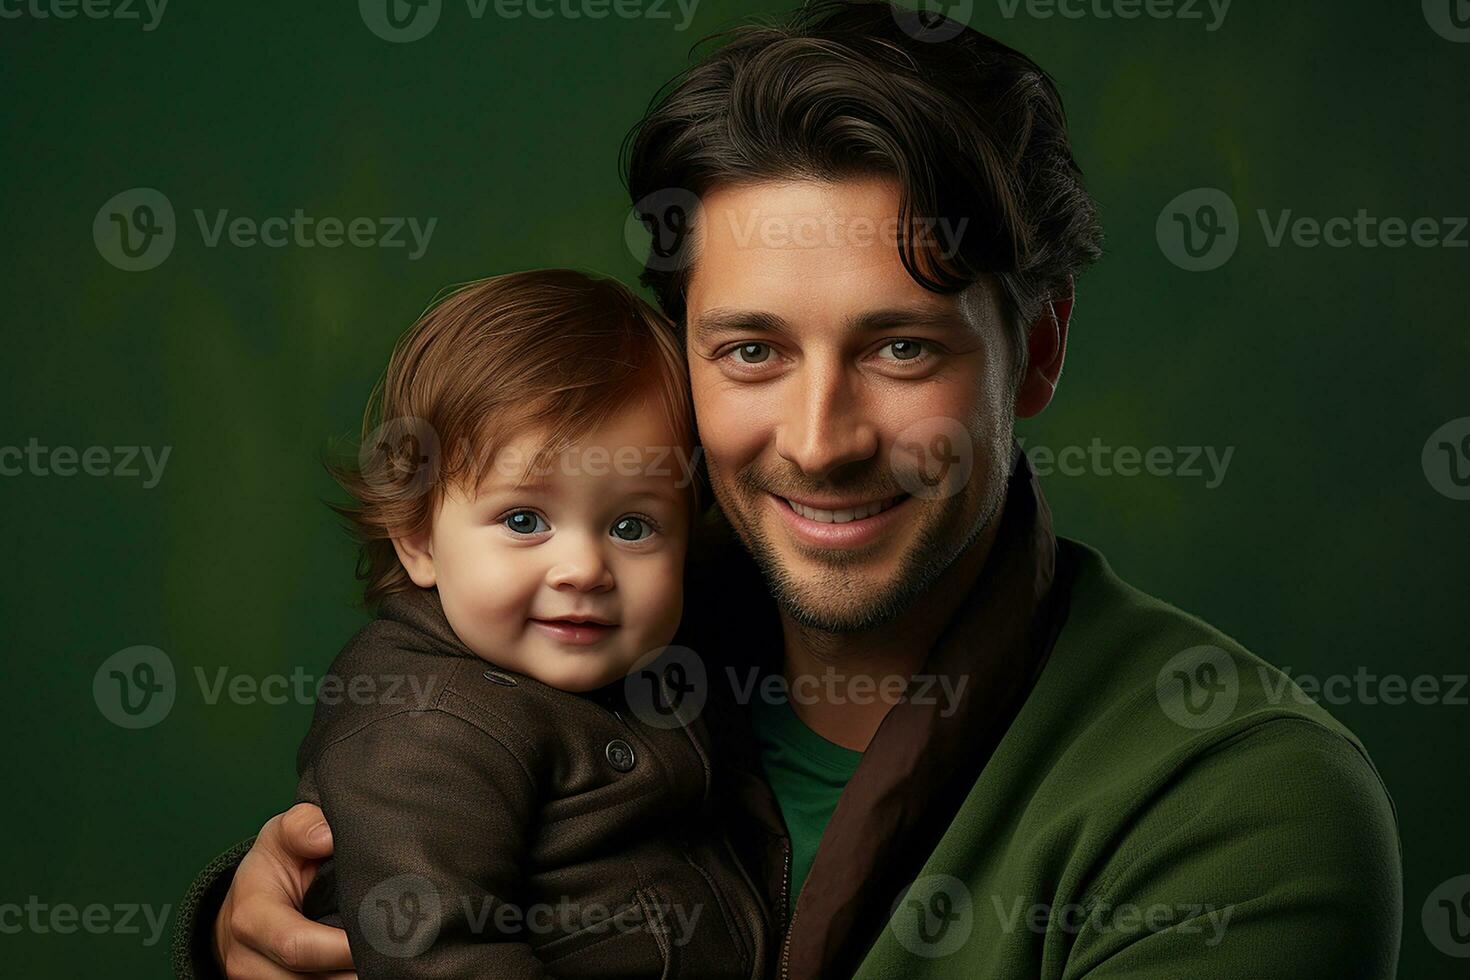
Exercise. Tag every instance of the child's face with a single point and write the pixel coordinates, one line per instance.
(592, 536)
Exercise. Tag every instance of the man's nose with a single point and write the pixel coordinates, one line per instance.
(580, 565)
(825, 422)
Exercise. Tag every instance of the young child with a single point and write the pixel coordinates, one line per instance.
(502, 802)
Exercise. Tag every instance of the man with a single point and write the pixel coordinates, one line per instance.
(868, 225)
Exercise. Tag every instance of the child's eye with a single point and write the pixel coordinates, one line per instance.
(629, 528)
(525, 522)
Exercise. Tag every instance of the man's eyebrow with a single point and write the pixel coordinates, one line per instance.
(910, 316)
(722, 322)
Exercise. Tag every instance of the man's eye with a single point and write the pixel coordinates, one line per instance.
(751, 353)
(525, 522)
(905, 350)
(632, 529)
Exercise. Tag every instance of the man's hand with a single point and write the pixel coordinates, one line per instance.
(260, 933)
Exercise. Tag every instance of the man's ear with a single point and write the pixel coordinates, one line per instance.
(418, 561)
(1046, 349)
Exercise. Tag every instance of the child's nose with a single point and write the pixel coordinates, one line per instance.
(583, 568)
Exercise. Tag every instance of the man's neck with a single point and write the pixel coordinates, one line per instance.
(843, 684)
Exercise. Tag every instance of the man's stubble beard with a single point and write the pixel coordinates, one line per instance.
(829, 606)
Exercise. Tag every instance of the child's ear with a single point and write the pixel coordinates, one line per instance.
(416, 558)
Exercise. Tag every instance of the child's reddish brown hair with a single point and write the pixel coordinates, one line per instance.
(555, 349)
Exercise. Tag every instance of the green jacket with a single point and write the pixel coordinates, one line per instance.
(1163, 806)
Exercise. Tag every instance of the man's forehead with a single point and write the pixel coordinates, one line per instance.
(814, 251)
(811, 228)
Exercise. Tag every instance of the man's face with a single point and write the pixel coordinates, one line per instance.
(824, 375)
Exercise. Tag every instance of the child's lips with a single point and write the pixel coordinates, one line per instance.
(567, 631)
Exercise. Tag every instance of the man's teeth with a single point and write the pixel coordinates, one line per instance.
(842, 516)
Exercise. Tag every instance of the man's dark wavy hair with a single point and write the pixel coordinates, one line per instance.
(971, 130)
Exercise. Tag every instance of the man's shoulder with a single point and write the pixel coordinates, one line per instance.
(1138, 696)
(1145, 660)
(1158, 764)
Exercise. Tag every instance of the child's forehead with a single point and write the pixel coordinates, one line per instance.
(613, 467)
(636, 448)
(642, 427)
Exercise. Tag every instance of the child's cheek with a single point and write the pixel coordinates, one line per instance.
(660, 600)
(493, 592)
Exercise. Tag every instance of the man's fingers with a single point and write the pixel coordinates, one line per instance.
(248, 966)
(259, 968)
(303, 946)
(304, 833)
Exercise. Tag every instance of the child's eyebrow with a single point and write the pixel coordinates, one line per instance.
(652, 495)
(549, 487)
(507, 487)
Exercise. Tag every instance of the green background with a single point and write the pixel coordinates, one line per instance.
(1325, 549)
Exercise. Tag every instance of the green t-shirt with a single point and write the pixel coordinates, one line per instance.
(807, 774)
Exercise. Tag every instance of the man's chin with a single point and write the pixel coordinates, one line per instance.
(827, 614)
(835, 591)
(853, 590)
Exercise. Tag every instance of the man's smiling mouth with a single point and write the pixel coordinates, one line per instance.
(841, 512)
